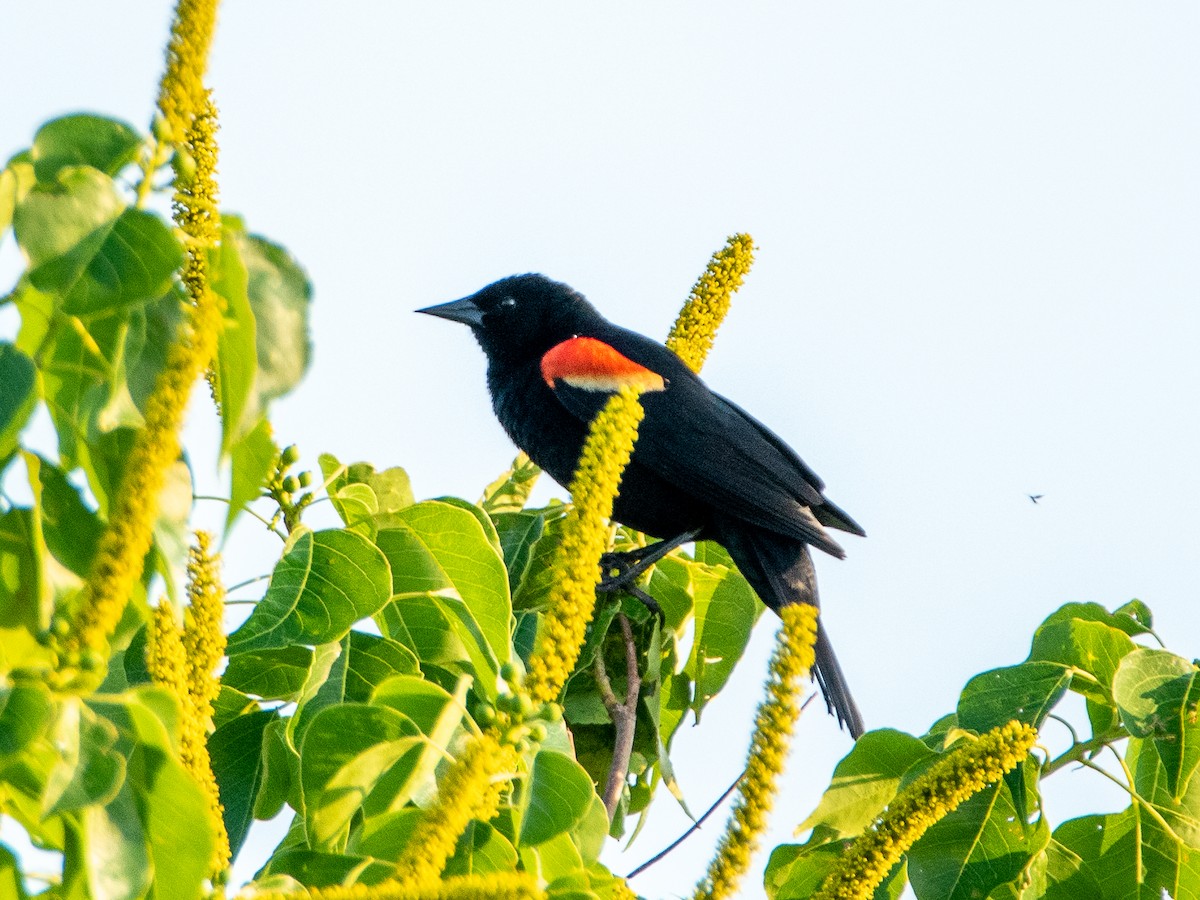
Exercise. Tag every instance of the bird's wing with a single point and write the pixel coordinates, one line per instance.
(691, 437)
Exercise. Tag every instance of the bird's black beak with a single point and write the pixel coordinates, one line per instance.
(463, 310)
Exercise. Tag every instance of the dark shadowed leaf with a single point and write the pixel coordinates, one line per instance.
(236, 751)
(18, 396)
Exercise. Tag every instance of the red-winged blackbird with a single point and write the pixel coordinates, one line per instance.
(701, 464)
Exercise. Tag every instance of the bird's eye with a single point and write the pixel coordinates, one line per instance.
(508, 303)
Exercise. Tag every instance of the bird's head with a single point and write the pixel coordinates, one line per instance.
(520, 317)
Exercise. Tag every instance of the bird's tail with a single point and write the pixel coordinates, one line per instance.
(780, 569)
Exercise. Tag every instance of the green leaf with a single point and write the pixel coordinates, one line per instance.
(25, 596)
(275, 674)
(510, 492)
(346, 751)
(327, 581)
(1088, 646)
(314, 869)
(87, 771)
(797, 871)
(373, 660)
(591, 833)
(1110, 847)
(18, 396)
(1158, 694)
(71, 530)
(280, 773)
(236, 360)
(251, 460)
(15, 181)
(55, 220)
(438, 715)
(325, 686)
(1027, 692)
(235, 750)
(518, 532)
(540, 575)
(26, 711)
(671, 585)
(1133, 618)
(865, 781)
(558, 862)
(482, 850)
(726, 611)
(117, 862)
(984, 843)
(422, 624)
(440, 549)
(12, 882)
(365, 499)
(280, 294)
(87, 247)
(386, 836)
(78, 367)
(152, 328)
(83, 140)
(558, 797)
(175, 821)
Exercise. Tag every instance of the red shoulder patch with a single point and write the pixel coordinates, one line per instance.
(591, 365)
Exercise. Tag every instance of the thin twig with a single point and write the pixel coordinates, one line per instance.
(700, 821)
(692, 830)
(247, 583)
(1078, 750)
(623, 714)
(271, 528)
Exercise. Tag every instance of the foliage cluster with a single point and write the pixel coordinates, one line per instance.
(382, 648)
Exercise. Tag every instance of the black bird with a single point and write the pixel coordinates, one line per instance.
(702, 467)
(1035, 497)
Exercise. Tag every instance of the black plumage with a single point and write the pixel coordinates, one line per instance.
(701, 463)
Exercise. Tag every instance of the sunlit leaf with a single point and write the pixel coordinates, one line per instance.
(559, 796)
(328, 581)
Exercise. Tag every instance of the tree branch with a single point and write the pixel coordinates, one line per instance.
(623, 713)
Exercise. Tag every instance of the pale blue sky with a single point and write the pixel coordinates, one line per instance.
(977, 279)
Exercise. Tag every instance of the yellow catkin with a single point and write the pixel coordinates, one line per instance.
(126, 539)
(166, 659)
(171, 658)
(181, 90)
(470, 789)
(964, 771)
(622, 891)
(694, 331)
(773, 726)
(494, 886)
(204, 631)
(584, 539)
(204, 645)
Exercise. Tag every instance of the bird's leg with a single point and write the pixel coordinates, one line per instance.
(620, 570)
